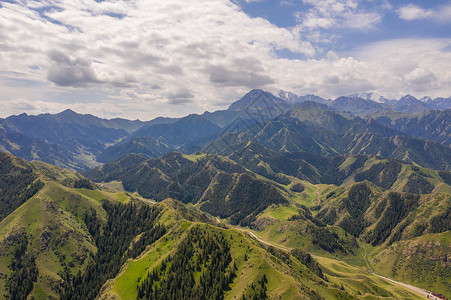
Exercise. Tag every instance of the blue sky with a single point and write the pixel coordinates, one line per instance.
(146, 58)
(288, 13)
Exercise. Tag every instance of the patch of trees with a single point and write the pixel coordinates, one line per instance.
(328, 215)
(356, 204)
(305, 214)
(446, 176)
(418, 185)
(306, 259)
(247, 195)
(17, 185)
(441, 222)
(381, 174)
(201, 268)
(24, 271)
(84, 183)
(397, 208)
(297, 187)
(325, 239)
(113, 239)
(257, 290)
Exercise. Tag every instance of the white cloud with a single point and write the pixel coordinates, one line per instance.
(412, 12)
(338, 14)
(142, 58)
(137, 45)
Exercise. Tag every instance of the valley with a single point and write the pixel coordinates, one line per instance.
(277, 197)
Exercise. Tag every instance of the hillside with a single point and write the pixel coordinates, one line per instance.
(145, 146)
(432, 125)
(214, 184)
(62, 236)
(314, 129)
(273, 198)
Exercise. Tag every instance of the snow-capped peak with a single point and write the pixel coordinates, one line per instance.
(373, 97)
(426, 99)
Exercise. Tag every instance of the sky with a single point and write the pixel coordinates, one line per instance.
(139, 59)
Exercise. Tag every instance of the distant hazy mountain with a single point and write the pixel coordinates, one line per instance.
(79, 141)
(73, 131)
(75, 139)
(410, 104)
(358, 105)
(31, 148)
(370, 102)
(438, 103)
(186, 130)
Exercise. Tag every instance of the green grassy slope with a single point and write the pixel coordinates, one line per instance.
(52, 223)
(349, 228)
(287, 276)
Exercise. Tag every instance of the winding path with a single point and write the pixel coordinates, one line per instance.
(418, 290)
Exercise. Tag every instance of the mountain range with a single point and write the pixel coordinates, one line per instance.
(80, 142)
(276, 197)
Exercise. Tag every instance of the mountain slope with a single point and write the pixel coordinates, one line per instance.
(145, 146)
(357, 105)
(312, 129)
(66, 139)
(18, 183)
(214, 184)
(410, 104)
(432, 125)
(186, 130)
(70, 130)
(69, 224)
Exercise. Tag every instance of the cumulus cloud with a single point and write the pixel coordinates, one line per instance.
(336, 13)
(181, 96)
(145, 58)
(66, 71)
(412, 12)
(246, 72)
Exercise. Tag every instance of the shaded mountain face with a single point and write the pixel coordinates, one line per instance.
(217, 185)
(312, 128)
(186, 130)
(431, 125)
(18, 183)
(70, 130)
(145, 146)
(317, 169)
(29, 148)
